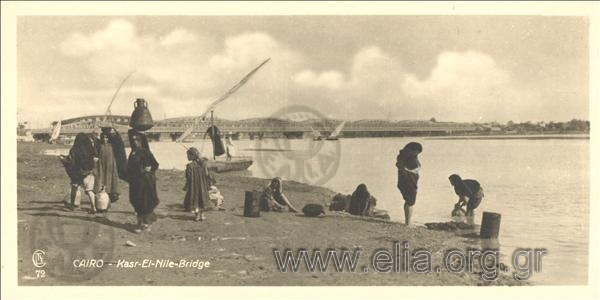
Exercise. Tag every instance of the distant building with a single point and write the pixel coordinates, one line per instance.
(24, 133)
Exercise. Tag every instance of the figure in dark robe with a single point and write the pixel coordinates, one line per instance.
(197, 185)
(141, 169)
(107, 178)
(114, 138)
(215, 136)
(408, 166)
(362, 203)
(80, 166)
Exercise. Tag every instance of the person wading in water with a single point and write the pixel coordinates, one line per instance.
(408, 166)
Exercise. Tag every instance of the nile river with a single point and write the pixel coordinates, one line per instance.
(540, 187)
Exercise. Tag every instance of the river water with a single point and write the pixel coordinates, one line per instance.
(540, 187)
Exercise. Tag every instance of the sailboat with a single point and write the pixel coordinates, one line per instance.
(237, 163)
(55, 132)
(334, 135)
(232, 163)
(316, 135)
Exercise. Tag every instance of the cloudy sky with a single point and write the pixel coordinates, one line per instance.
(453, 68)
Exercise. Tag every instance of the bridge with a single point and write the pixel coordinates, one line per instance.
(170, 129)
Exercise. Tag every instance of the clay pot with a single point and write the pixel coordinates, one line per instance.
(141, 119)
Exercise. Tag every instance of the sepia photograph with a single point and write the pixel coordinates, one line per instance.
(307, 148)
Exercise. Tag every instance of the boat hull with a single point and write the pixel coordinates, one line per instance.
(236, 164)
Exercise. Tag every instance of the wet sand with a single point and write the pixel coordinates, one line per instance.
(239, 249)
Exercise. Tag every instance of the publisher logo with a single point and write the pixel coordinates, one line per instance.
(60, 244)
(38, 258)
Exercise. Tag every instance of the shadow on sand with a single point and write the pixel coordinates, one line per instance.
(92, 218)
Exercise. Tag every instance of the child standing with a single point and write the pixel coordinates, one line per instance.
(197, 184)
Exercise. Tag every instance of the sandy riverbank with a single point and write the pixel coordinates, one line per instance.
(239, 249)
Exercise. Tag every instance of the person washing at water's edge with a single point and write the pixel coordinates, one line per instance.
(197, 184)
(408, 166)
(273, 195)
(467, 188)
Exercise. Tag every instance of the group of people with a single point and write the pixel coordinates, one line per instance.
(92, 165)
(95, 163)
(469, 191)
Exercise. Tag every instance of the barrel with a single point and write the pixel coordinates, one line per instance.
(251, 204)
(490, 225)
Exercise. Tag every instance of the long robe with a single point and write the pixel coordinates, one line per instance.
(142, 184)
(119, 152)
(362, 203)
(107, 174)
(215, 136)
(80, 161)
(197, 184)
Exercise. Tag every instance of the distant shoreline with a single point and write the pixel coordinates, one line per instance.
(515, 137)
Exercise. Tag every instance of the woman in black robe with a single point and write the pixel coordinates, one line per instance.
(141, 168)
(80, 166)
(361, 202)
(408, 166)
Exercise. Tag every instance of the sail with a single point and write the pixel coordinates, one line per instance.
(337, 130)
(213, 105)
(55, 131)
(233, 89)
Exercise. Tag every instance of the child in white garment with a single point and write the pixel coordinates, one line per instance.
(215, 197)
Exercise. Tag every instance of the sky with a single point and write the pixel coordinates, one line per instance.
(452, 68)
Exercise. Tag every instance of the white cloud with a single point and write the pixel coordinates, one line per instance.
(178, 36)
(455, 71)
(118, 35)
(469, 86)
(182, 71)
(328, 79)
(185, 70)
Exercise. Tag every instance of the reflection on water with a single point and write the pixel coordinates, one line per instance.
(540, 187)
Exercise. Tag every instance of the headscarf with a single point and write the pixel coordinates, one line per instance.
(83, 151)
(105, 133)
(412, 148)
(278, 181)
(459, 185)
(455, 179)
(361, 192)
(194, 153)
(133, 134)
(408, 156)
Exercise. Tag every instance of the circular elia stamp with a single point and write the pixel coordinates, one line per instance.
(292, 147)
(69, 249)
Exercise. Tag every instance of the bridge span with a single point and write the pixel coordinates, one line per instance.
(171, 129)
